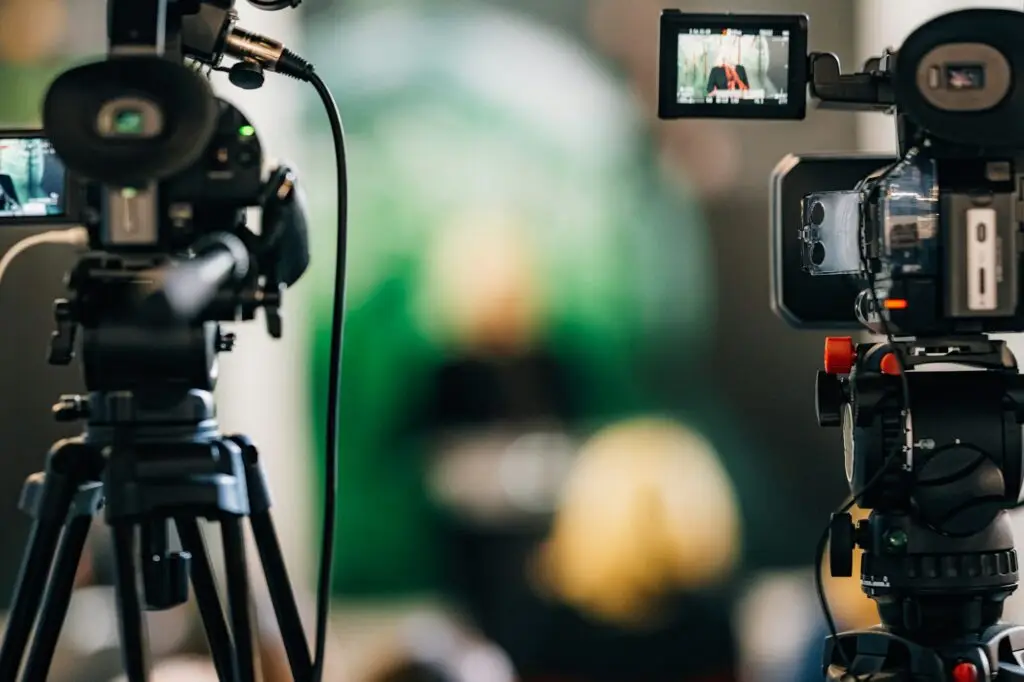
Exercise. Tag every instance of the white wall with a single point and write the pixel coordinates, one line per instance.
(262, 389)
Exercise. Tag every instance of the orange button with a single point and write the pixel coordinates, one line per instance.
(839, 354)
(890, 366)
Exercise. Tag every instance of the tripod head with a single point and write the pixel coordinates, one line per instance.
(936, 457)
(937, 537)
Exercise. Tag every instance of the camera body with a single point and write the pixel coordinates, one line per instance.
(928, 242)
(162, 173)
(162, 159)
(138, 149)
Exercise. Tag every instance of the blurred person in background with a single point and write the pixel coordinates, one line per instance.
(726, 75)
(520, 272)
(645, 541)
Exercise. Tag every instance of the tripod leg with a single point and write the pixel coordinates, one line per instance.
(292, 632)
(221, 647)
(129, 606)
(281, 596)
(58, 596)
(28, 594)
(47, 497)
(238, 596)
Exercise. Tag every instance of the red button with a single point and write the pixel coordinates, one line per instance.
(890, 365)
(965, 672)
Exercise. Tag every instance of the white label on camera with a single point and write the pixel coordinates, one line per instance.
(981, 259)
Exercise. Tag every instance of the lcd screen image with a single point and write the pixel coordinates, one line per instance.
(32, 178)
(730, 66)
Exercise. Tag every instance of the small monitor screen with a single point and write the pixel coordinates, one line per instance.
(32, 179)
(734, 66)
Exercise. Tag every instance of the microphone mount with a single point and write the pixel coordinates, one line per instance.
(212, 33)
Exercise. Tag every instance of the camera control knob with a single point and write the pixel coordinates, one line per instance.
(71, 408)
(829, 399)
(841, 545)
(840, 354)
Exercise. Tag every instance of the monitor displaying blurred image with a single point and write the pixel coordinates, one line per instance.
(731, 66)
(32, 178)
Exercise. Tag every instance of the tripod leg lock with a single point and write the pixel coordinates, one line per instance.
(72, 469)
(255, 478)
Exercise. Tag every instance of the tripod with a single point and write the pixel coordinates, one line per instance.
(938, 547)
(151, 456)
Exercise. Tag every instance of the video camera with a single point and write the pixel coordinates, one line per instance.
(137, 150)
(924, 248)
(935, 227)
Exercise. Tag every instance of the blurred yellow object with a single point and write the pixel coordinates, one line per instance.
(851, 608)
(31, 30)
(648, 512)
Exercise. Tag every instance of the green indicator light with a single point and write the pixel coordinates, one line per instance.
(246, 131)
(129, 193)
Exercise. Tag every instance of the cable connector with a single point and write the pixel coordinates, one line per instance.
(77, 237)
(268, 53)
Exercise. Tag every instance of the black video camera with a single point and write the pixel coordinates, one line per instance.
(936, 230)
(138, 149)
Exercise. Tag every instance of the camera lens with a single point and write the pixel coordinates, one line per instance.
(817, 214)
